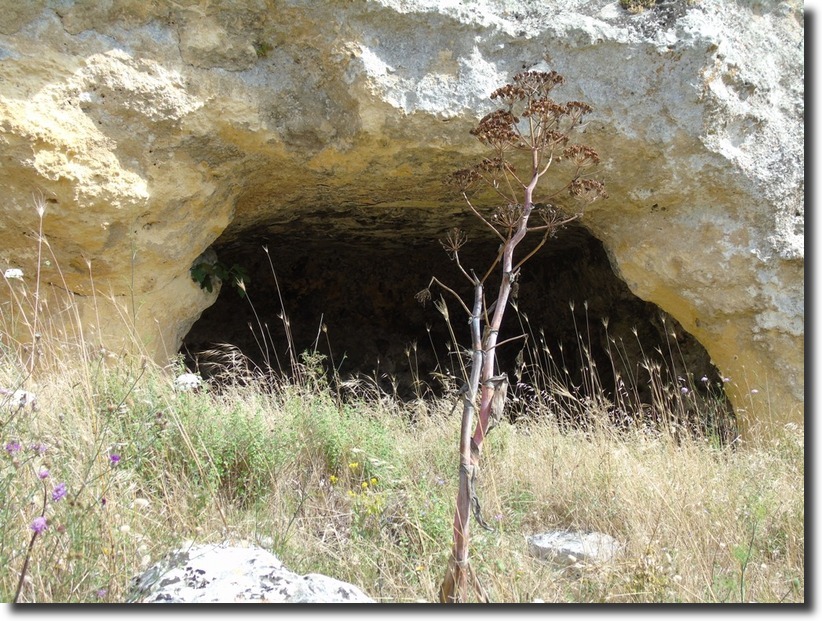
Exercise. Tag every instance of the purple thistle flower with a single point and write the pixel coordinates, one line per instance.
(59, 492)
(43, 474)
(13, 447)
(38, 447)
(114, 458)
(39, 524)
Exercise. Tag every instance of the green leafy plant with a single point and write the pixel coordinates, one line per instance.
(527, 136)
(204, 274)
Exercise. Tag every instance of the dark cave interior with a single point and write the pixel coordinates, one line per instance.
(351, 297)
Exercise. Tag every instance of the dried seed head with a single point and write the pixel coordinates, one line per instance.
(582, 156)
(454, 240)
(546, 110)
(463, 179)
(545, 134)
(538, 83)
(497, 130)
(576, 109)
(494, 164)
(552, 217)
(553, 139)
(588, 190)
(510, 94)
(423, 296)
(442, 307)
(508, 215)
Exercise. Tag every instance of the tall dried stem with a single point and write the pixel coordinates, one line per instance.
(533, 127)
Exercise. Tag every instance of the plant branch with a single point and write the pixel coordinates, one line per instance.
(436, 281)
(513, 338)
(494, 265)
(482, 218)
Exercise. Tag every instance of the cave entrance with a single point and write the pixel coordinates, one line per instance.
(350, 296)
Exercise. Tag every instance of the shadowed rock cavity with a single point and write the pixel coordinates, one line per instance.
(349, 294)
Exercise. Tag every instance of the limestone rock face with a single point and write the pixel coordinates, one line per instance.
(150, 130)
(230, 574)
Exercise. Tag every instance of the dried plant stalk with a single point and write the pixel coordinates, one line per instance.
(538, 129)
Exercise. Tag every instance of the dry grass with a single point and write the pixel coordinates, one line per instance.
(362, 488)
(285, 469)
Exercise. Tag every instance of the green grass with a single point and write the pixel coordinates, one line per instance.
(356, 491)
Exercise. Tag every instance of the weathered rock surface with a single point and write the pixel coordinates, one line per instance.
(227, 574)
(151, 130)
(568, 548)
